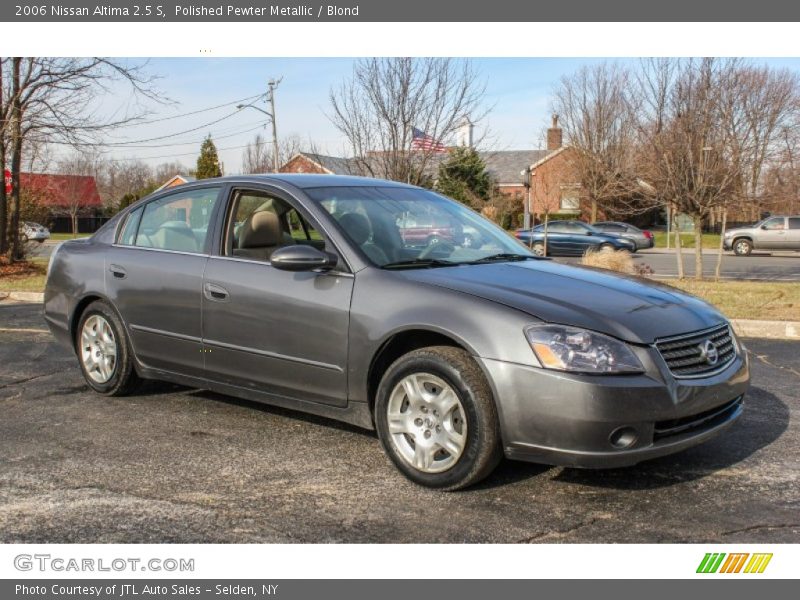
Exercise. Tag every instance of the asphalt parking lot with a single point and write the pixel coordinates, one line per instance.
(179, 465)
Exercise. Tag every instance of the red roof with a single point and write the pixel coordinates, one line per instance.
(61, 190)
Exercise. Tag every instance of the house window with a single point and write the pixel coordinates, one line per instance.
(570, 199)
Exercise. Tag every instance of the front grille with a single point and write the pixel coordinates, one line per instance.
(688, 355)
(698, 422)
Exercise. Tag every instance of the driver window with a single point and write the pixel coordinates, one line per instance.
(259, 224)
(774, 224)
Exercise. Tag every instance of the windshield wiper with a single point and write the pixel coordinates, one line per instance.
(503, 256)
(418, 263)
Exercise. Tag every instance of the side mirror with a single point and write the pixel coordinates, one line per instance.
(302, 258)
(590, 233)
(764, 227)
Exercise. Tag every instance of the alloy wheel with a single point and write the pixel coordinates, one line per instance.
(98, 349)
(427, 422)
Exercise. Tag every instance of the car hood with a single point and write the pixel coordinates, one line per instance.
(626, 307)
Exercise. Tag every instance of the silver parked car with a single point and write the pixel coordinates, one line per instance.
(33, 232)
(772, 233)
(641, 237)
(300, 291)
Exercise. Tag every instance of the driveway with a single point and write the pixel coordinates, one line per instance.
(180, 465)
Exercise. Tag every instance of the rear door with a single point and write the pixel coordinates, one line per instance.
(269, 330)
(154, 276)
(793, 233)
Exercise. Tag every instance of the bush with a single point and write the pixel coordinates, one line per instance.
(614, 260)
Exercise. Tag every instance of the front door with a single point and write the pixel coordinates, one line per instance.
(772, 235)
(269, 330)
(154, 276)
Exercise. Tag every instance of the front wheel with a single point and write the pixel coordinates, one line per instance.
(742, 247)
(538, 248)
(436, 418)
(103, 351)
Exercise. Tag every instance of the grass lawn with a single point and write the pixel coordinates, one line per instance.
(762, 300)
(60, 237)
(710, 240)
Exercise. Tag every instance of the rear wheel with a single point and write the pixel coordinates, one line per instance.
(742, 247)
(104, 351)
(606, 247)
(436, 418)
(538, 248)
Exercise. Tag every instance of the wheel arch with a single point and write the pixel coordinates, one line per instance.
(401, 342)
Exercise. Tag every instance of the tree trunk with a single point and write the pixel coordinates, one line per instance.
(74, 224)
(3, 198)
(546, 221)
(594, 210)
(718, 268)
(678, 253)
(16, 159)
(698, 248)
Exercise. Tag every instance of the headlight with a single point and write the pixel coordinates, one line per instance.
(580, 351)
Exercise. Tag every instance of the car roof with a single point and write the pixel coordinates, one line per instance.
(310, 180)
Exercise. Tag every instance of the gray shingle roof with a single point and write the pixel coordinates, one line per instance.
(505, 165)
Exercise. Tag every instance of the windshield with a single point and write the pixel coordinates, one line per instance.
(415, 227)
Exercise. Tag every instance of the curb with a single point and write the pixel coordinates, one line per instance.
(775, 330)
(35, 297)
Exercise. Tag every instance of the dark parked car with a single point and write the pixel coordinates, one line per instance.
(570, 238)
(641, 237)
(299, 291)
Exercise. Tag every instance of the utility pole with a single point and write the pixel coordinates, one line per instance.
(273, 84)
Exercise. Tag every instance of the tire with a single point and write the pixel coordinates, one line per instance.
(606, 246)
(538, 248)
(99, 337)
(742, 247)
(445, 376)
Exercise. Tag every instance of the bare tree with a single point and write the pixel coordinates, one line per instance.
(691, 159)
(378, 109)
(257, 155)
(79, 170)
(48, 100)
(596, 110)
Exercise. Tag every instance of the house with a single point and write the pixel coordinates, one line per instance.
(63, 200)
(176, 180)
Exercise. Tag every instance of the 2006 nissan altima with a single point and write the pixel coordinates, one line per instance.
(300, 291)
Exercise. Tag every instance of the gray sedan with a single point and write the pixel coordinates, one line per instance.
(299, 291)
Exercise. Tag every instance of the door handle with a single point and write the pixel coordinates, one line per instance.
(215, 292)
(117, 271)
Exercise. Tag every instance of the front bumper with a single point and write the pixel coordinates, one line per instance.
(611, 421)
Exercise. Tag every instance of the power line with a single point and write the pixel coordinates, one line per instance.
(194, 112)
(164, 137)
(174, 155)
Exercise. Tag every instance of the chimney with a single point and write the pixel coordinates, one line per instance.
(554, 136)
(465, 133)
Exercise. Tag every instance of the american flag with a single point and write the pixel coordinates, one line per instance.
(422, 141)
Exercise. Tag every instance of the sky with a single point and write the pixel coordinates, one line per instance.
(517, 93)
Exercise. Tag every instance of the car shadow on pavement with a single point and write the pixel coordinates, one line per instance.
(283, 412)
(764, 420)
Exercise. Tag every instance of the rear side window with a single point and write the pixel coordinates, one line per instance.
(178, 222)
(794, 222)
(128, 233)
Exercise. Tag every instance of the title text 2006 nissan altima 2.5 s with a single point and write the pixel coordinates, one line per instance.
(299, 291)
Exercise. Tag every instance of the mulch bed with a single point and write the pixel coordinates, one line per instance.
(19, 269)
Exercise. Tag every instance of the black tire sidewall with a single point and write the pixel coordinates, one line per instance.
(440, 367)
(123, 369)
